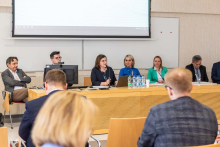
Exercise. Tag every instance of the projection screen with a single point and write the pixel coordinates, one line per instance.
(81, 18)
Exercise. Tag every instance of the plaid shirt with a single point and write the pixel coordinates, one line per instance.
(180, 122)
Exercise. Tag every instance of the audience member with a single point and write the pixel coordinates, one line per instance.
(15, 80)
(182, 121)
(65, 120)
(55, 80)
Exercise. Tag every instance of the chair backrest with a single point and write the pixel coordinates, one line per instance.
(125, 131)
(6, 102)
(87, 81)
(3, 137)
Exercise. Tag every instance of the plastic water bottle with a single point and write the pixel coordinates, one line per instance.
(129, 82)
(134, 82)
(143, 81)
(138, 81)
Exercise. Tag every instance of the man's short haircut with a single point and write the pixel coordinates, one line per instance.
(10, 59)
(179, 79)
(54, 53)
(55, 77)
(196, 58)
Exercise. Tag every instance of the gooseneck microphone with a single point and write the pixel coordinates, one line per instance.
(108, 68)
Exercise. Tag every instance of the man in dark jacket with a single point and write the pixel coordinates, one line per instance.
(55, 80)
(182, 121)
(197, 69)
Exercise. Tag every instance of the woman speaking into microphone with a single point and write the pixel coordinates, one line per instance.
(102, 75)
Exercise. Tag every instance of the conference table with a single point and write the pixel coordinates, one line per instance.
(130, 103)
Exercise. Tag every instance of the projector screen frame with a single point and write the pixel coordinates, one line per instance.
(77, 36)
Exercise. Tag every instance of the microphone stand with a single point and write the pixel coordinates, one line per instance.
(109, 76)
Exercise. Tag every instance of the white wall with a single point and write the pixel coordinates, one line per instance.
(33, 54)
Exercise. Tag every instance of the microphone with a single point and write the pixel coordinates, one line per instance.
(108, 75)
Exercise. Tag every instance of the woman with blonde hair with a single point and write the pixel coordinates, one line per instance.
(129, 69)
(65, 120)
(157, 72)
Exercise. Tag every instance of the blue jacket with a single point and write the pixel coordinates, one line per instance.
(32, 109)
(180, 122)
(216, 73)
(126, 71)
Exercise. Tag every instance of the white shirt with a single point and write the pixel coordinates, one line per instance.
(54, 90)
(158, 74)
(15, 77)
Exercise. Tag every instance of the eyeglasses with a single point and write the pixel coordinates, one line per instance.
(168, 87)
(58, 58)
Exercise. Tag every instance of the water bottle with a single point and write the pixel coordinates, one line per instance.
(138, 81)
(134, 82)
(129, 82)
(143, 81)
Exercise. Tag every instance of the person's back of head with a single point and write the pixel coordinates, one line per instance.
(179, 83)
(55, 79)
(65, 119)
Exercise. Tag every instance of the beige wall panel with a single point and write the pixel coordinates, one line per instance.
(5, 9)
(5, 2)
(199, 34)
(186, 6)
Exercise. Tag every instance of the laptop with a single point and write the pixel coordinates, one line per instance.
(122, 81)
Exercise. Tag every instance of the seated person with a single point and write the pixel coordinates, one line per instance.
(157, 72)
(15, 80)
(182, 121)
(129, 69)
(102, 75)
(59, 124)
(55, 80)
(197, 69)
(216, 73)
(55, 59)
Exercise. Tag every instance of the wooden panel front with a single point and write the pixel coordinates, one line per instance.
(131, 103)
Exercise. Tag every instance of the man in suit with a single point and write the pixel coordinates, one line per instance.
(216, 73)
(182, 121)
(15, 80)
(55, 80)
(197, 69)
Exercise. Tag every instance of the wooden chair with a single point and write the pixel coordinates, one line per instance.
(3, 137)
(6, 106)
(87, 81)
(125, 131)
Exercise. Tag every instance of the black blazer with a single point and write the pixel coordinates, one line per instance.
(202, 69)
(97, 76)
